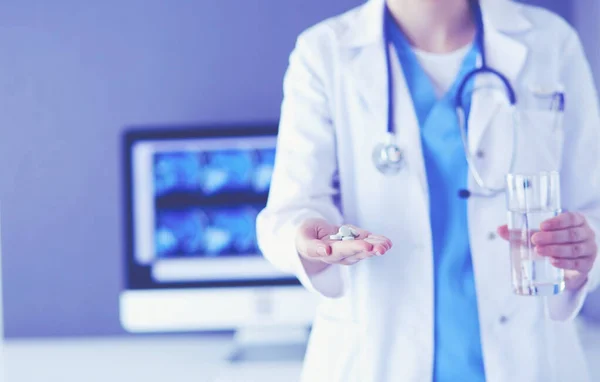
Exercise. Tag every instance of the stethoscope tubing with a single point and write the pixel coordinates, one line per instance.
(382, 158)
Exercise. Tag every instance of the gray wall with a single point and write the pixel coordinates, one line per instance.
(72, 74)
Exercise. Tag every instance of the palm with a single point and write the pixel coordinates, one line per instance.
(314, 243)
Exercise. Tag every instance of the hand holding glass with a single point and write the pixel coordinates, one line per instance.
(531, 200)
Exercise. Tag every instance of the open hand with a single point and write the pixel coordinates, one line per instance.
(569, 242)
(315, 246)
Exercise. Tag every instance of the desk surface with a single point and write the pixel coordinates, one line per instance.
(160, 359)
(144, 359)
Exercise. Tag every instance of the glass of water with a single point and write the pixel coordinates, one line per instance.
(532, 199)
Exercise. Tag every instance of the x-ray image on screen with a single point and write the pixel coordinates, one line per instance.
(210, 173)
(263, 170)
(206, 232)
(195, 199)
(179, 171)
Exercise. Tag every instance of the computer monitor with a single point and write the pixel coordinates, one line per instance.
(192, 261)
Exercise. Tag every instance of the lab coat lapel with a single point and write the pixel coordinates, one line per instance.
(365, 55)
(406, 125)
(368, 68)
(369, 71)
(504, 54)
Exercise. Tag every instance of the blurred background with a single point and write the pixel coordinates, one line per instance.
(75, 77)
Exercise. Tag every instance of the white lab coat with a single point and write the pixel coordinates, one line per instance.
(375, 322)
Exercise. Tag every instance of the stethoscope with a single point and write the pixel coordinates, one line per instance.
(389, 158)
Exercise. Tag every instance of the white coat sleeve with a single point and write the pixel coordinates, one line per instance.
(305, 164)
(580, 173)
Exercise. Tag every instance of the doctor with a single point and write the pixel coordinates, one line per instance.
(437, 305)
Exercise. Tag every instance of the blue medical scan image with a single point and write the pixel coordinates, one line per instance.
(206, 232)
(214, 172)
(206, 202)
(176, 172)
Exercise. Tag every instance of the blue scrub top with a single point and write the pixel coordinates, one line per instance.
(458, 354)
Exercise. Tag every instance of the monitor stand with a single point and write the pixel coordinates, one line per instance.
(269, 344)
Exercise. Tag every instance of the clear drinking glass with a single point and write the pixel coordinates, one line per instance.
(532, 199)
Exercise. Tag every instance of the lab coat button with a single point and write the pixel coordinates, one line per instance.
(503, 319)
(480, 154)
(491, 236)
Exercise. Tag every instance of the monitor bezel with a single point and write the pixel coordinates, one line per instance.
(138, 277)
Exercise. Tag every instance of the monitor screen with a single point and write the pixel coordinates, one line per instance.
(193, 199)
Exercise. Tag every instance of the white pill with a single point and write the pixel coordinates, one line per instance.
(348, 238)
(354, 232)
(345, 231)
(335, 237)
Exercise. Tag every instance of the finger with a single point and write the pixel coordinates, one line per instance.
(563, 236)
(387, 242)
(356, 250)
(380, 246)
(379, 249)
(346, 258)
(314, 248)
(562, 221)
(584, 249)
(379, 237)
(583, 264)
(351, 260)
(344, 249)
(503, 232)
(347, 248)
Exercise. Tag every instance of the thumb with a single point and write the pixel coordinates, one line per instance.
(308, 247)
(317, 248)
(503, 232)
(308, 242)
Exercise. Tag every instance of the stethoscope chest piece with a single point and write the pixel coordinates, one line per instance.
(388, 158)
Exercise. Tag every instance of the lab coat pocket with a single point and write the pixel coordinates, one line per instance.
(539, 141)
(332, 351)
